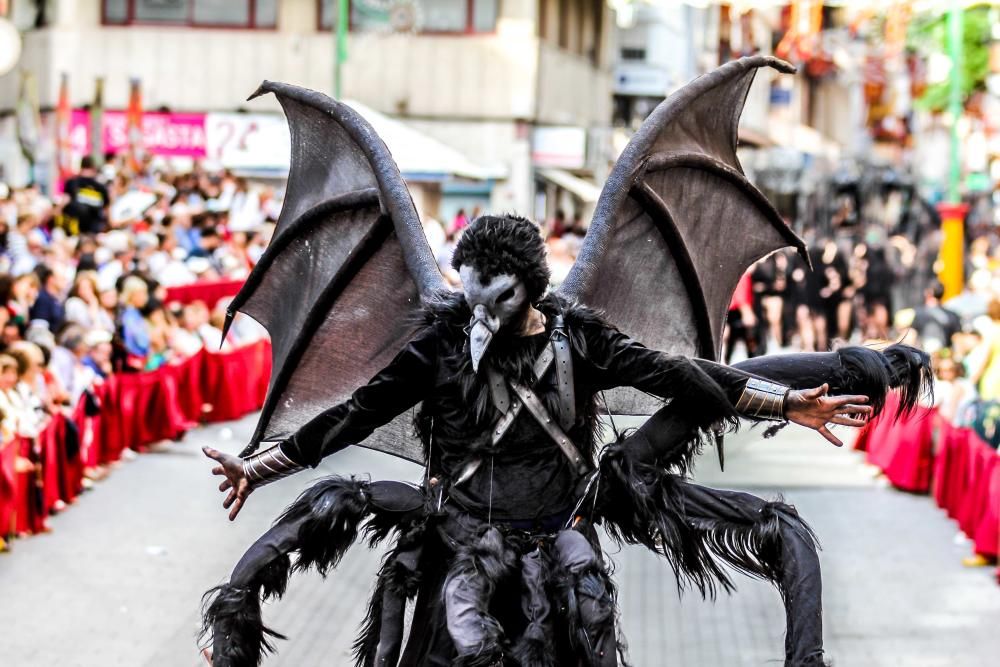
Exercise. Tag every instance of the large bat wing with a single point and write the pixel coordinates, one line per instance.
(678, 224)
(340, 284)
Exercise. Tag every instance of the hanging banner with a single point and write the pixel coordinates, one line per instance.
(248, 141)
(166, 134)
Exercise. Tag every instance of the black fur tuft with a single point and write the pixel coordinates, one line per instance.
(331, 511)
(505, 244)
(234, 613)
(642, 504)
(273, 579)
(911, 374)
(874, 373)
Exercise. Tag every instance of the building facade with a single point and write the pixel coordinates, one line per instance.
(522, 87)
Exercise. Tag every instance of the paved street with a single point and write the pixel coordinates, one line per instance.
(118, 581)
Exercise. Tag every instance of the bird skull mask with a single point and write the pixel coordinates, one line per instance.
(497, 303)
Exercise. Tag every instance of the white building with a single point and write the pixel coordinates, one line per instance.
(517, 86)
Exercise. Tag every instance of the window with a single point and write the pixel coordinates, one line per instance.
(433, 16)
(633, 53)
(205, 13)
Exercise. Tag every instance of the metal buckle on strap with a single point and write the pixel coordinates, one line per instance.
(538, 411)
(564, 374)
(560, 352)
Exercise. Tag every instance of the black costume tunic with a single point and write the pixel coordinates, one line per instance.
(526, 477)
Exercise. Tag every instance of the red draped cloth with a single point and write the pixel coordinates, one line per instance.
(979, 511)
(30, 501)
(8, 487)
(234, 383)
(187, 376)
(951, 466)
(210, 292)
(903, 448)
(135, 410)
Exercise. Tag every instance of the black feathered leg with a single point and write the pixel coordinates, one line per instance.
(232, 613)
(697, 529)
(320, 525)
(468, 590)
(766, 540)
(590, 606)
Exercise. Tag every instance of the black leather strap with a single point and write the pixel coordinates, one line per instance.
(498, 390)
(564, 374)
(549, 425)
(558, 351)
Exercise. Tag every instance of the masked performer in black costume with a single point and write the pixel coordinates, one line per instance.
(495, 390)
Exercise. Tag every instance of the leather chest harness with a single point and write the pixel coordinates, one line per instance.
(557, 352)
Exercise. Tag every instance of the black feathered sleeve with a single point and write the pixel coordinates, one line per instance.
(708, 390)
(407, 380)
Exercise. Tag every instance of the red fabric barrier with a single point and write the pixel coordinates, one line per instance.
(135, 411)
(30, 501)
(249, 368)
(8, 487)
(902, 448)
(950, 467)
(188, 376)
(209, 292)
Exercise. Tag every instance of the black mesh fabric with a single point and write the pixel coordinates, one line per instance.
(344, 274)
(677, 224)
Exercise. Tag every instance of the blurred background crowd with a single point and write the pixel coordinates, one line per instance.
(119, 185)
(85, 280)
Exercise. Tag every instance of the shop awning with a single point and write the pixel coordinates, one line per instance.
(420, 156)
(582, 188)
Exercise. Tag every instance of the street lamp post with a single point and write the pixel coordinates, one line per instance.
(953, 211)
(340, 45)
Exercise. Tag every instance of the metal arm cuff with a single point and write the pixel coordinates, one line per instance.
(763, 400)
(269, 466)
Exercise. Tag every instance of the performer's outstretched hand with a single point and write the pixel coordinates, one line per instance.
(236, 482)
(813, 408)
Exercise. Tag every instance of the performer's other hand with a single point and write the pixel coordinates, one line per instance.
(235, 483)
(814, 409)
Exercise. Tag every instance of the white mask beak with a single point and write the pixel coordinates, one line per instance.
(481, 329)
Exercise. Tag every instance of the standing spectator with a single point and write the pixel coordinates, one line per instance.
(48, 306)
(741, 323)
(935, 324)
(458, 223)
(877, 293)
(770, 278)
(557, 226)
(87, 201)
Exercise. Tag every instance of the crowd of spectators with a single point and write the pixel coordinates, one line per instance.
(84, 278)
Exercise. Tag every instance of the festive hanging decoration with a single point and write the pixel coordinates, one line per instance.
(64, 145)
(133, 118)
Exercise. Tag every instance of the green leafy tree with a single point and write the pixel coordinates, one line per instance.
(928, 34)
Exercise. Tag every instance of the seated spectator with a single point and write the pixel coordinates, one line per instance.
(25, 397)
(159, 324)
(23, 294)
(84, 308)
(22, 259)
(133, 326)
(98, 357)
(186, 341)
(48, 305)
